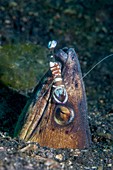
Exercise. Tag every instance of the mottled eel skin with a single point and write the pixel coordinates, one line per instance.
(37, 122)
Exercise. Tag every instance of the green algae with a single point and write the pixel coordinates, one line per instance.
(22, 65)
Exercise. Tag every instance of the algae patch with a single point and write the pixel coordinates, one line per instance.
(22, 65)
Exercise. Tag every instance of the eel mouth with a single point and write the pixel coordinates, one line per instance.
(62, 55)
(66, 56)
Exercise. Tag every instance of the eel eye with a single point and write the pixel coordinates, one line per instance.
(63, 115)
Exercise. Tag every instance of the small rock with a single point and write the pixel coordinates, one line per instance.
(59, 157)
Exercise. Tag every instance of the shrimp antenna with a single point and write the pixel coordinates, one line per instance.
(96, 65)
